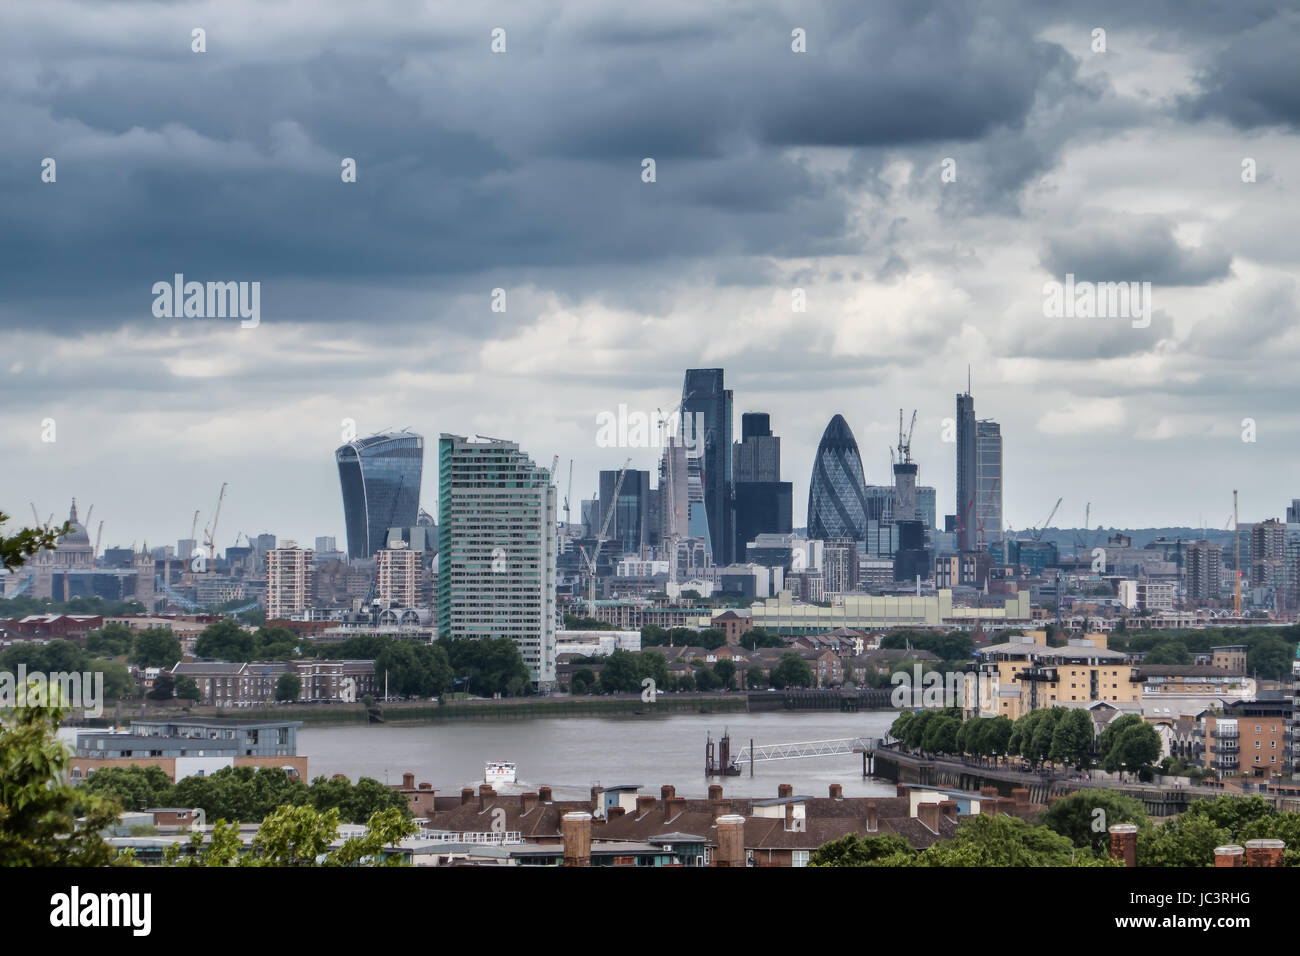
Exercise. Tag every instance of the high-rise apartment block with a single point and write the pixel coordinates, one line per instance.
(497, 549)
(397, 576)
(288, 581)
(1204, 571)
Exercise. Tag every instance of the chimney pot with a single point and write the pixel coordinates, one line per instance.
(1123, 843)
(426, 786)
(576, 828)
(1229, 855)
(1264, 852)
(731, 841)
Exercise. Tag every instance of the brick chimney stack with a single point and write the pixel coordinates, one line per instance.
(576, 828)
(1021, 796)
(408, 781)
(528, 802)
(544, 794)
(466, 795)
(667, 792)
(644, 804)
(949, 809)
(596, 808)
(837, 792)
(485, 795)
(1264, 852)
(785, 790)
(1124, 843)
(928, 813)
(731, 840)
(873, 817)
(673, 806)
(1229, 855)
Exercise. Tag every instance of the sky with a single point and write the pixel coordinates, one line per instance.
(919, 171)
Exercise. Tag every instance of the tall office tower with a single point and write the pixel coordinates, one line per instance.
(264, 543)
(288, 580)
(988, 480)
(1267, 544)
(185, 548)
(764, 503)
(630, 524)
(926, 505)
(497, 548)
(706, 401)
(1293, 511)
(325, 543)
(757, 457)
(1288, 585)
(1204, 571)
(967, 473)
(397, 576)
(380, 477)
(837, 496)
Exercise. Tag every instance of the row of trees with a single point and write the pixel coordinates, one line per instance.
(625, 672)
(243, 794)
(1062, 736)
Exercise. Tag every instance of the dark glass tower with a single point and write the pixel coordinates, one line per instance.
(967, 476)
(630, 526)
(380, 476)
(764, 503)
(703, 395)
(837, 494)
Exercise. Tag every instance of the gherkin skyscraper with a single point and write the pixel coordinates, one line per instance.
(837, 494)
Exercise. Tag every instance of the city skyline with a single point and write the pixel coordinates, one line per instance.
(916, 216)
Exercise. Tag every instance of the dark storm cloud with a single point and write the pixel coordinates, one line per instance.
(471, 164)
(1255, 79)
(1133, 250)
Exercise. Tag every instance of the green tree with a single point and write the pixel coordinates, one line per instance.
(187, 689)
(621, 673)
(1084, 817)
(156, 647)
(17, 548)
(287, 687)
(725, 670)
(226, 641)
(1131, 747)
(706, 679)
(792, 671)
(1072, 738)
(754, 677)
(1186, 840)
(118, 682)
(757, 637)
(1002, 841)
(111, 640)
(853, 850)
(44, 822)
(163, 687)
(135, 788)
(941, 735)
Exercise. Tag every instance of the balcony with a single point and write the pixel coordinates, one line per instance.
(1225, 749)
(1225, 734)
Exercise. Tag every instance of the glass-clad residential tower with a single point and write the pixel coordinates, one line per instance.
(380, 476)
(837, 494)
(497, 544)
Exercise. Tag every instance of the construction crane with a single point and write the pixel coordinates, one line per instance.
(600, 539)
(210, 532)
(94, 555)
(1236, 556)
(905, 444)
(568, 492)
(1037, 533)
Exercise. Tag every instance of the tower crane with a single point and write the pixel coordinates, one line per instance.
(1236, 556)
(210, 532)
(568, 492)
(94, 555)
(1037, 533)
(600, 539)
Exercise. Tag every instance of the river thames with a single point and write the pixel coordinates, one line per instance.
(570, 754)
